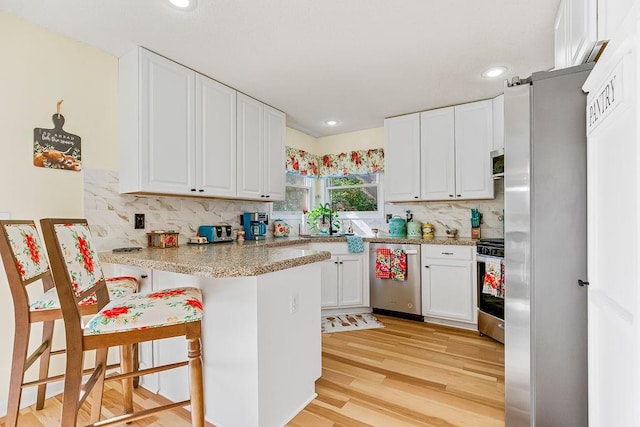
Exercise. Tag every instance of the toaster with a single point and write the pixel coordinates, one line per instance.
(216, 233)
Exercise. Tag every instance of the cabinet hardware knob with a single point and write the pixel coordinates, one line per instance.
(459, 195)
(335, 262)
(426, 266)
(201, 190)
(143, 276)
(447, 253)
(415, 197)
(193, 189)
(582, 283)
(262, 195)
(450, 195)
(267, 196)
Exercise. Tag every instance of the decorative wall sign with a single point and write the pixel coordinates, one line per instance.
(55, 148)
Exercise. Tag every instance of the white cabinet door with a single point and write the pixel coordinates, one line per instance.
(560, 41)
(351, 280)
(166, 124)
(437, 153)
(250, 145)
(402, 158)
(448, 290)
(274, 135)
(215, 138)
(260, 141)
(329, 283)
(474, 139)
(498, 123)
(582, 24)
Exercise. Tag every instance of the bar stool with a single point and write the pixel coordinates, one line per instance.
(25, 263)
(123, 322)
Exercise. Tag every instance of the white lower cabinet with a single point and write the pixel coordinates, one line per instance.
(344, 281)
(448, 285)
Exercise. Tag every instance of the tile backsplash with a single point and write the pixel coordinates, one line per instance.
(111, 214)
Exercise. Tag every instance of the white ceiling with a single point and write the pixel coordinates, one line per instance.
(355, 61)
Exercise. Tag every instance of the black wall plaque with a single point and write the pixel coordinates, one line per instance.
(55, 148)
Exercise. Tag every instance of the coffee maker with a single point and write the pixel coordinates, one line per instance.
(255, 225)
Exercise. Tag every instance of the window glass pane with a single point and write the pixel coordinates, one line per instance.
(354, 199)
(295, 200)
(353, 180)
(293, 179)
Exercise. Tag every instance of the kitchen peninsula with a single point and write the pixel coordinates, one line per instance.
(261, 327)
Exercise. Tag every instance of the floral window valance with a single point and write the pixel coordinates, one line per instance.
(361, 162)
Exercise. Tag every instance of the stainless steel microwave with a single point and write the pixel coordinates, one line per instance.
(497, 163)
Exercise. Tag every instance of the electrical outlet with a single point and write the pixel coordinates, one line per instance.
(293, 304)
(138, 221)
(388, 217)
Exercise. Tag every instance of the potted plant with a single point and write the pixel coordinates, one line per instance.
(315, 216)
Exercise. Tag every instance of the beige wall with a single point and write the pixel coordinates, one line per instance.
(297, 139)
(38, 69)
(359, 140)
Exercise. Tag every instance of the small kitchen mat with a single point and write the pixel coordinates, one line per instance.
(349, 322)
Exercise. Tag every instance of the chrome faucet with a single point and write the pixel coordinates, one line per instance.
(328, 206)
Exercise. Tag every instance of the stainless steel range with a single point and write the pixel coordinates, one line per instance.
(491, 288)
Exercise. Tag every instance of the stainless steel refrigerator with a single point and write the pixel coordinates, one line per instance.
(545, 250)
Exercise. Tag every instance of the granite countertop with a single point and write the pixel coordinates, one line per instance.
(249, 258)
(218, 260)
(288, 241)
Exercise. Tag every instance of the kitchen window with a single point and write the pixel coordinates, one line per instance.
(358, 196)
(297, 199)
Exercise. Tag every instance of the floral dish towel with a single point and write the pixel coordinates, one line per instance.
(383, 263)
(398, 265)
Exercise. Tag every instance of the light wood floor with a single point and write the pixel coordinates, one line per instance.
(406, 374)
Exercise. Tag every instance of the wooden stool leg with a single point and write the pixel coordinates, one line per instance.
(47, 336)
(20, 348)
(72, 387)
(98, 388)
(126, 365)
(196, 383)
(136, 364)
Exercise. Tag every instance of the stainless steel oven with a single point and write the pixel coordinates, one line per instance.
(491, 288)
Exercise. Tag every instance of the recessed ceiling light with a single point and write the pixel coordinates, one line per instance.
(184, 4)
(494, 72)
(330, 123)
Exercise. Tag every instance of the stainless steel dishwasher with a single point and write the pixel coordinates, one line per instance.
(393, 295)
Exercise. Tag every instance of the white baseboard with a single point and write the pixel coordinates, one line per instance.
(452, 323)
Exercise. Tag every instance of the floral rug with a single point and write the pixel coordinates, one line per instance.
(349, 322)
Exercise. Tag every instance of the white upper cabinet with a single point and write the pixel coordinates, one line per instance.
(183, 133)
(157, 119)
(498, 123)
(215, 138)
(611, 13)
(402, 158)
(576, 32)
(474, 140)
(261, 165)
(250, 147)
(274, 136)
(438, 153)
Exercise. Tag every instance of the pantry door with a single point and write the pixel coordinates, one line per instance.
(613, 182)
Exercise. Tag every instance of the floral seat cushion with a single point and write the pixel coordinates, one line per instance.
(118, 287)
(142, 311)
